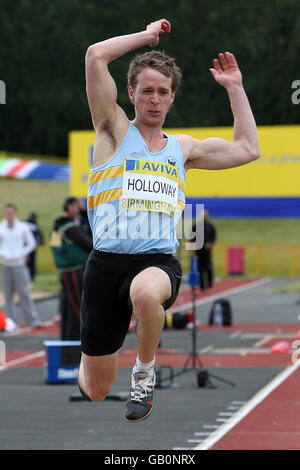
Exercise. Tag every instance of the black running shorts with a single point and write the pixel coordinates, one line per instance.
(105, 305)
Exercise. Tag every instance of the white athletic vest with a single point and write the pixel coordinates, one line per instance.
(137, 197)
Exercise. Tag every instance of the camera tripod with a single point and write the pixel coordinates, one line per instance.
(193, 361)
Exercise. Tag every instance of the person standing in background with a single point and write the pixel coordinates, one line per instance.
(39, 238)
(204, 254)
(71, 243)
(16, 243)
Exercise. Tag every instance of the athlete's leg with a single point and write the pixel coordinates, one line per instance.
(98, 328)
(97, 374)
(148, 291)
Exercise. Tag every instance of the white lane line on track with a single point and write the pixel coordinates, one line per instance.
(247, 407)
(233, 290)
(21, 360)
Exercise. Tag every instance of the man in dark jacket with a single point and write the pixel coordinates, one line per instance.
(204, 255)
(39, 238)
(71, 243)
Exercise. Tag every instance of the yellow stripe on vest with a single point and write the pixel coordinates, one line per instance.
(113, 172)
(110, 195)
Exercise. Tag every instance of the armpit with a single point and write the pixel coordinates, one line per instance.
(106, 126)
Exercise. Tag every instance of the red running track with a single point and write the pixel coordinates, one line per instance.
(220, 286)
(273, 424)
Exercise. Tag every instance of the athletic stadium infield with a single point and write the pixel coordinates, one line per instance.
(249, 400)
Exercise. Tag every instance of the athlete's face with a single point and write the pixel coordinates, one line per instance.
(152, 96)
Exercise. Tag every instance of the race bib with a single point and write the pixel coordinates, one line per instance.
(150, 186)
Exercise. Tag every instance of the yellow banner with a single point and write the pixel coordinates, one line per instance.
(275, 173)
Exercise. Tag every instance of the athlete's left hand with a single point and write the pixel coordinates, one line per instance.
(226, 71)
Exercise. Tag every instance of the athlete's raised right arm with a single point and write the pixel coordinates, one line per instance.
(100, 86)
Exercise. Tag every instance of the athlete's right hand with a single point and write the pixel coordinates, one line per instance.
(157, 28)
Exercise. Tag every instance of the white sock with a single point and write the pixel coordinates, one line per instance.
(143, 367)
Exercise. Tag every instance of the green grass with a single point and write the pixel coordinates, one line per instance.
(272, 246)
(293, 288)
(46, 282)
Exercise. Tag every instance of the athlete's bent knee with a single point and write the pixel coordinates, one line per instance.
(97, 393)
(144, 299)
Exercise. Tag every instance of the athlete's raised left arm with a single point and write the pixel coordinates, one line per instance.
(216, 153)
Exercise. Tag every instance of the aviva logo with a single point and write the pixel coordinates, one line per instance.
(132, 165)
(152, 168)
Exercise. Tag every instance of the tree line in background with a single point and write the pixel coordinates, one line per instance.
(43, 47)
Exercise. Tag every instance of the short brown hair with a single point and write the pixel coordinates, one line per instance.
(11, 206)
(156, 60)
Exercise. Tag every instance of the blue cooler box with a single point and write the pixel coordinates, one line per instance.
(62, 361)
